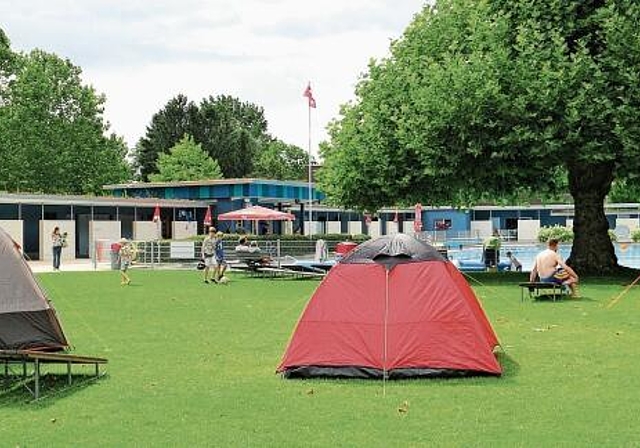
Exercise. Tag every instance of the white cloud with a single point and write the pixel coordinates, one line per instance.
(141, 53)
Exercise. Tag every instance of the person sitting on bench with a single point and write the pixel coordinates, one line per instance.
(244, 246)
(550, 267)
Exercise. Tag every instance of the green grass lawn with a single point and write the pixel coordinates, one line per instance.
(193, 365)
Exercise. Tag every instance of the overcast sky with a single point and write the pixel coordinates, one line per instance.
(143, 53)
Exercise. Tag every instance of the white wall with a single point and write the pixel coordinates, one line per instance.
(46, 249)
(355, 227)
(630, 223)
(101, 235)
(407, 227)
(392, 228)
(14, 228)
(374, 229)
(483, 229)
(333, 227)
(146, 230)
(528, 229)
(569, 223)
(624, 227)
(182, 230)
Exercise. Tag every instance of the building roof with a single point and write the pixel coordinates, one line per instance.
(198, 183)
(47, 199)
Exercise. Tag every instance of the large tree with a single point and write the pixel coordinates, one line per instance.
(52, 130)
(232, 132)
(282, 161)
(177, 118)
(498, 99)
(186, 161)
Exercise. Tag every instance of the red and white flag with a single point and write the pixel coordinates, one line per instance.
(309, 95)
(156, 214)
(207, 217)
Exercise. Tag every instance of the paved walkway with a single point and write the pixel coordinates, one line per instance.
(67, 265)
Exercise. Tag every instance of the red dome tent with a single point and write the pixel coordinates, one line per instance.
(392, 308)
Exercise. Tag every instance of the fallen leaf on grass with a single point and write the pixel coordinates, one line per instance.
(403, 408)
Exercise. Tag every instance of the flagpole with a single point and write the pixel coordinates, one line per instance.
(310, 188)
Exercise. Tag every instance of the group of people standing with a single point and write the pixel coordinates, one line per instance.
(213, 255)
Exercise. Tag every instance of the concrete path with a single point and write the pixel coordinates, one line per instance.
(70, 265)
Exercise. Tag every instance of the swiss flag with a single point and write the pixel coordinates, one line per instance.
(309, 95)
(207, 217)
(156, 214)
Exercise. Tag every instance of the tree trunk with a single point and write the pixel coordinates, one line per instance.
(592, 251)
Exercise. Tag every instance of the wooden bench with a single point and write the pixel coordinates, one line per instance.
(37, 358)
(536, 288)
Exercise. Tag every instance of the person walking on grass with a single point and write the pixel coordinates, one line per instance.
(127, 255)
(221, 263)
(207, 254)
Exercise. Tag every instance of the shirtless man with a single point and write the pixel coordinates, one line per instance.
(550, 267)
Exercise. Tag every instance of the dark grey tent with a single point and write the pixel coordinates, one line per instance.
(27, 319)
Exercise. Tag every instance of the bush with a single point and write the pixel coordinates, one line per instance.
(561, 233)
(613, 235)
(635, 236)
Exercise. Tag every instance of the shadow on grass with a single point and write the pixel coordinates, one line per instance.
(560, 300)
(17, 392)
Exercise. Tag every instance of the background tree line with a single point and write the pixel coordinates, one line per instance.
(230, 132)
(54, 137)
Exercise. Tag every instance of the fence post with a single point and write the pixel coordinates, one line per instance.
(278, 251)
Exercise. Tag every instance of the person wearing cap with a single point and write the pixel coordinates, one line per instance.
(127, 253)
(221, 264)
(208, 252)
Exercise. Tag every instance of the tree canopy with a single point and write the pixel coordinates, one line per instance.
(230, 131)
(186, 161)
(282, 161)
(53, 135)
(495, 99)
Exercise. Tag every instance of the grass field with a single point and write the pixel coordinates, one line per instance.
(193, 365)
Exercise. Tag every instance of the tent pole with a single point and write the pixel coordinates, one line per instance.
(386, 321)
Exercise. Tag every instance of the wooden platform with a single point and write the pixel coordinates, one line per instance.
(35, 359)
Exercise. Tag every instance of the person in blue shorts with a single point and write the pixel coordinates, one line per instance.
(221, 263)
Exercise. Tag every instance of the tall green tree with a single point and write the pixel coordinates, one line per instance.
(498, 99)
(232, 132)
(177, 118)
(53, 132)
(279, 160)
(186, 161)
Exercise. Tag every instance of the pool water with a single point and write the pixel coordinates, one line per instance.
(628, 253)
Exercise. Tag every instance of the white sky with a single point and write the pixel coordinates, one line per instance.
(140, 53)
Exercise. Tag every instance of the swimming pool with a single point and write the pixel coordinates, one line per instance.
(628, 253)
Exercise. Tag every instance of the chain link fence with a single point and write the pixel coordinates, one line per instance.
(186, 254)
